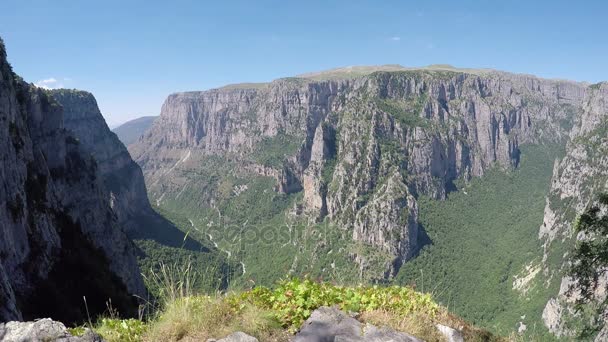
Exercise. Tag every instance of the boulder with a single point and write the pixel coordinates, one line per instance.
(238, 337)
(42, 330)
(451, 335)
(330, 324)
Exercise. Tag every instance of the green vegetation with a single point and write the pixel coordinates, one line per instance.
(483, 236)
(123, 330)
(274, 314)
(591, 254)
(589, 260)
(407, 112)
(213, 271)
(596, 86)
(245, 86)
(249, 221)
(272, 151)
(293, 301)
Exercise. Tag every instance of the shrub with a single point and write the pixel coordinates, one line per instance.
(294, 300)
(124, 330)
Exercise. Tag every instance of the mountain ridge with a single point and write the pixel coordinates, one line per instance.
(128, 132)
(350, 72)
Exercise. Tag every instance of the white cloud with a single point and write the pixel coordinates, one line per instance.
(49, 83)
(395, 38)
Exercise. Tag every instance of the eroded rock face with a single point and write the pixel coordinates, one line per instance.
(120, 174)
(366, 147)
(577, 180)
(60, 240)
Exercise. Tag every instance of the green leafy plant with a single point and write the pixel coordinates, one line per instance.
(123, 330)
(293, 300)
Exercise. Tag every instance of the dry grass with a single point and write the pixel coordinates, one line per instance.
(201, 317)
(180, 314)
(423, 326)
(420, 325)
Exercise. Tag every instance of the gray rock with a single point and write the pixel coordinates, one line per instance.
(331, 324)
(122, 177)
(120, 174)
(577, 179)
(451, 335)
(238, 337)
(44, 330)
(602, 336)
(54, 214)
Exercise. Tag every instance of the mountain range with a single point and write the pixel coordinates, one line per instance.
(333, 166)
(462, 182)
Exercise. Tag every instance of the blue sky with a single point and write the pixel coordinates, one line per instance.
(132, 54)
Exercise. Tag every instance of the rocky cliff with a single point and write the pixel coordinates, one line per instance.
(359, 150)
(577, 180)
(120, 174)
(61, 241)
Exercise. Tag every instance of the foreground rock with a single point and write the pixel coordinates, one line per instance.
(45, 330)
(237, 337)
(331, 324)
(451, 335)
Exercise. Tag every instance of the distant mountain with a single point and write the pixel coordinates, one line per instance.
(130, 131)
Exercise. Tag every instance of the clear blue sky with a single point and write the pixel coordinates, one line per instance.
(132, 54)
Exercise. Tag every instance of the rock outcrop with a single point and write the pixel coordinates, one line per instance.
(121, 176)
(119, 173)
(577, 180)
(60, 240)
(42, 330)
(237, 337)
(360, 149)
(331, 324)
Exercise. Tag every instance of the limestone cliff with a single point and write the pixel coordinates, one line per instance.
(60, 241)
(360, 149)
(577, 180)
(120, 174)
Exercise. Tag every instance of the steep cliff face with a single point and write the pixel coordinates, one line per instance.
(577, 180)
(361, 149)
(121, 177)
(60, 238)
(119, 173)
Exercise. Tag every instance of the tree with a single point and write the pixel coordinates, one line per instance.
(590, 256)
